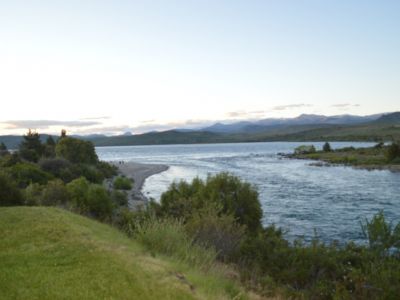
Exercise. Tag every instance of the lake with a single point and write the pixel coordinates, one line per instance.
(304, 199)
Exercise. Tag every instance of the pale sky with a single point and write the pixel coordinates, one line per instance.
(116, 66)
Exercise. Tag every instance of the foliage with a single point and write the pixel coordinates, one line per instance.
(210, 228)
(327, 147)
(26, 173)
(49, 147)
(122, 183)
(78, 190)
(54, 193)
(10, 160)
(393, 152)
(10, 195)
(76, 151)
(382, 236)
(234, 196)
(119, 197)
(33, 194)
(108, 170)
(31, 147)
(90, 172)
(55, 166)
(99, 202)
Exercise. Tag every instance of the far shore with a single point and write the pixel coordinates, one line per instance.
(139, 173)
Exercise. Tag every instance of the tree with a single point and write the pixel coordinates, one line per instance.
(49, 147)
(31, 148)
(327, 147)
(76, 151)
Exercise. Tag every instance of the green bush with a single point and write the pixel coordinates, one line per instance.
(76, 151)
(210, 228)
(33, 194)
(26, 173)
(99, 202)
(31, 148)
(90, 172)
(10, 195)
(78, 192)
(382, 236)
(108, 170)
(393, 152)
(55, 166)
(119, 197)
(122, 183)
(55, 193)
(234, 196)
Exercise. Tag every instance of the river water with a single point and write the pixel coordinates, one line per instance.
(303, 199)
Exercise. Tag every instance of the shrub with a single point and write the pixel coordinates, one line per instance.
(108, 170)
(10, 160)
(55, 193)
(76, 151)
(382, 236)
(209, 228)
(55, 166)
(122, 183)
(99, 202)
(168, 236)
(119, 197)
(10, 195)
(33, 194)
(90, 172)
(393, 152)
(234, 196)
(78, 192)
(26, 173)
(3, 150)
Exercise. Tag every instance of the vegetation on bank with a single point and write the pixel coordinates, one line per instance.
(380, 156)
(205, 224)
(50, 253)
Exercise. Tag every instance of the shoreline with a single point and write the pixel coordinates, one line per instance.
(139, 172)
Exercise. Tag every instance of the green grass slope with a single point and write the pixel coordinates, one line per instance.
(50, 253)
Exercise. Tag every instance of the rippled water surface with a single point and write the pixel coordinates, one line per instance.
(294, 195)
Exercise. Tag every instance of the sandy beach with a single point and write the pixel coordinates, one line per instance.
(138, 172)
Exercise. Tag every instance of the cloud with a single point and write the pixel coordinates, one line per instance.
(96, 118)
(240, 114)
(345, 105)
(45, 124)
(290, 106)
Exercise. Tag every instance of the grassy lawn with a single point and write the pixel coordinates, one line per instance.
(50, 253)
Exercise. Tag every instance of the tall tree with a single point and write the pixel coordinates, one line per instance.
(31, 148)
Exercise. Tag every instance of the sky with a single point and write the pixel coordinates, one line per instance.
(134, 66)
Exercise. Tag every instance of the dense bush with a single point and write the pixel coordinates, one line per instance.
(99, 202)
(31, 147)
(78, 190)
(210, 228)
(54, 193)
(26, 173)
(119, 197)
(108, 170)
(393, 152)
(234, 197)
(55, 166)
(10, 195)
(33, 194)
(76, 151)
(122, 183)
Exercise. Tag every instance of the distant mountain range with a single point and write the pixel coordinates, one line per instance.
(302, 128)
(304, 119)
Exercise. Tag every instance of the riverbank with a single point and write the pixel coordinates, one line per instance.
(369, 158)
(139, 173)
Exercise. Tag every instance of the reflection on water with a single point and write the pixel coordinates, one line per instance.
(294, 195)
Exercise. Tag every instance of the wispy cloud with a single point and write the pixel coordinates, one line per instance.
(96, 118)
(290, 106)
(241, 114)
(345, 105)
(45, 124)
